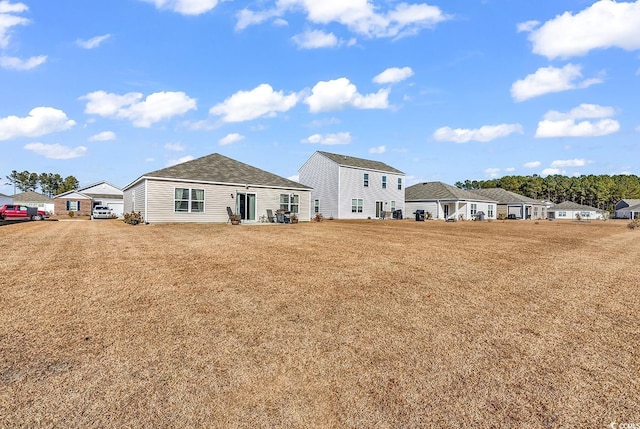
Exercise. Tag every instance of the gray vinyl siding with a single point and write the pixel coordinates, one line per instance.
(352, 187)
(160, 203)
(321, 174)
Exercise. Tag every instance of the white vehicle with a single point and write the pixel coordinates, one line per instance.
(101, 212)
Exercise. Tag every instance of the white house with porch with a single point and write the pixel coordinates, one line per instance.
(447, 202)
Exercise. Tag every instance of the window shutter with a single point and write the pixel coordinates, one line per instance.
(78, 205)
(67, 204)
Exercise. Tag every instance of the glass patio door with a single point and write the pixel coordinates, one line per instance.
(246, 206)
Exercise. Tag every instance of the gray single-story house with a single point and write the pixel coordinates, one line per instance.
(572, 211)
(447, 202)
(200, 190)
(513, 205)
(5, 199)
(627, 209)
(34, 199)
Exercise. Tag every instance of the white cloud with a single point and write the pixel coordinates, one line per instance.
(550, 79)
(565, 124)
(590, 111)
(186, 158)
(295, 177)
(15, 63)
(155, 108)
(492, 172)
(92, 43)
(339, 93)
(248, 105)
(569, 163)
(532, 164)
(483, 134)
(56, 151)
(359, 16)
(315, 39)
(602, 25)
(41, 121)
(527, 26)
(9, 19)
(393, 75)
(174, 147)
(329, 139)
(103, 136)
(230, 139)
(185, 7)
(552, 172)
(378, 149)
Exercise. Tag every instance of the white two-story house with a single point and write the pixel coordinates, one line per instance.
(345, 187)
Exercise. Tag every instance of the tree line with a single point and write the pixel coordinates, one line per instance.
(50, 184)
(601, 191)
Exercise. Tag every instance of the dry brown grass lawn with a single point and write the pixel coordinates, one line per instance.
(370, 324)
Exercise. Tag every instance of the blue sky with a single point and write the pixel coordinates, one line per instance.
(448, 91)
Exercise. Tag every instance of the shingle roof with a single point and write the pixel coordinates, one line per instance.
(217, 168)
(104, 196)
(570, 205)
(440, 191)
(31, 197)
(631, 202)
(367, 164)
(502, 196)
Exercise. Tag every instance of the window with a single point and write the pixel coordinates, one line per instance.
(399, 183)
(189, 200)
(290, 202)
(366, 180)
(384, 182)
(562, 214)
(356, 205)
(474, 209)
(585, 214)
(72, 206)
(535, 212)
(316, 206)
(490, 210)
(393, 206)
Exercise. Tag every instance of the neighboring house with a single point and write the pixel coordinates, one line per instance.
(571, 211)
(73, 201)
(513, 205)
(200, 190)
(345, 187)
(448, 202)
(627, 209)
(34, 199)
(5, 199)
(105, 194)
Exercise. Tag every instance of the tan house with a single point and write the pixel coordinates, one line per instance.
(514, 206)
(200, 190)
(34, 199)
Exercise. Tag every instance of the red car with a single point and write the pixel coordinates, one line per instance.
(14, 211)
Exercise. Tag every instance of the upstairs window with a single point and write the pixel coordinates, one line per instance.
(366, 180)
(384, 182)
(399, 183)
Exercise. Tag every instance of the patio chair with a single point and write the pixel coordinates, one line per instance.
(229, 213)
(270, 216)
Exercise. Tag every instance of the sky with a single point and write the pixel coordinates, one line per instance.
(443, 91)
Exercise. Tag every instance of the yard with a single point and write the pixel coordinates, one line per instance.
(338, 324)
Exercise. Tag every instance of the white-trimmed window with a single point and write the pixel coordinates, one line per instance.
(73, 206)
(562, 214)
(489, 210)
(384, 182)
(366, 180)
(393, 206)
(290, 202)
(399, 183)
(187, 200)
(356, 205)
(316, 206)
(474, 209)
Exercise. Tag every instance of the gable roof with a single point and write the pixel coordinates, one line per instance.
(631, 202)
(440, 191)
(74, 193)
(31, 197)
(502, 196)
(570, 205)
(365, 164)
(216, 168)
(101, 188)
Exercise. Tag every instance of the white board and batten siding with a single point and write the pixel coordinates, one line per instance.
(323, 173)
(155, 200)
(464, 209)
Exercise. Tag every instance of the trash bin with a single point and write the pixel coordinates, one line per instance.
(397, 214)
(419, 215)
(480, 216)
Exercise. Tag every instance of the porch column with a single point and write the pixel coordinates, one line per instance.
(457, 215)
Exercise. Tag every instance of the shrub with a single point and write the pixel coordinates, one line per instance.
(501, 216)
(578, 217)
(634, 224)
(428, 215)
(72, 213)
(318, 217)
(133, 218)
